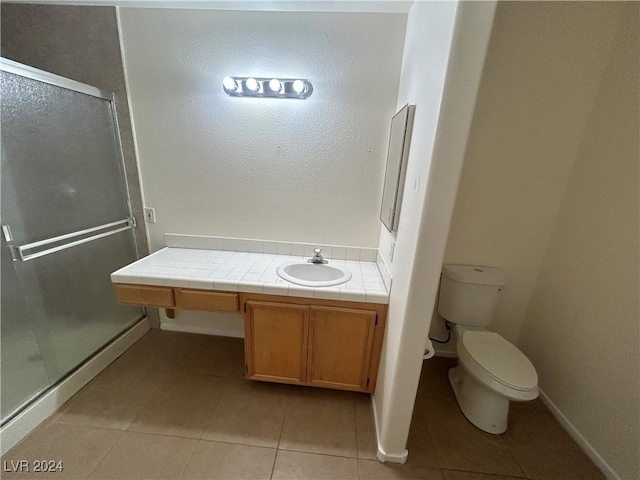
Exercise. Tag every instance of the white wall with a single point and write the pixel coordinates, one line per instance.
(582, 327)
(541, 77)
(304, 171)
(444, 53)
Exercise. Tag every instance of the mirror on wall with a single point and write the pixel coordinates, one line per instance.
(399, 140)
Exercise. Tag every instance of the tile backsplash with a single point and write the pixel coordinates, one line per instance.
(384, 270)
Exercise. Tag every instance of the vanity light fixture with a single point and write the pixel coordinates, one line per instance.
(252, 85)
(275, 85)
(230, 84)
(267, 87)
(298, 86)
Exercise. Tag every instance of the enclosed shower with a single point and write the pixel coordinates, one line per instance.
(66, 225)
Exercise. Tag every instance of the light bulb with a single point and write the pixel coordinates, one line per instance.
(275, 85)
(252, 84)
(298, 86)
(230, 84)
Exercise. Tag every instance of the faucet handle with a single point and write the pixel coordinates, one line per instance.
(317, 256)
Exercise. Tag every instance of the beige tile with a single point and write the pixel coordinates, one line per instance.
(112, 399)
(320, 421)
(306, 466)
(419, 444)
(460, 475)
(257, 387)
(545, 450)
(157, 350)
(365, 427)
(143, 456)
(215, 460)
(374, 470)
(462, 446)
(78, 448)
(421, 449)
(219, 356)
(367, 445)
(147, 387)
(434, 382)
(182, 407)
(250, 413)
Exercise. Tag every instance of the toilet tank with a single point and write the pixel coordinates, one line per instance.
(469, 294)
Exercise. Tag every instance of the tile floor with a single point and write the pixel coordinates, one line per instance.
(176, 406)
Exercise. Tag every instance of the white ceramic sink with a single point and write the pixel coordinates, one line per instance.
(313, 274)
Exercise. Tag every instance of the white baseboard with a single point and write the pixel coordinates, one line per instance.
(47, 404)
(172, 327)
(579, 439)
(392, 458)
(386, 457)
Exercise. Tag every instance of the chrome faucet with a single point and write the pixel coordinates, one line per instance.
(317, 257)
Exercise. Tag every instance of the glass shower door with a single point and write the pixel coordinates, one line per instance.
(66, 225)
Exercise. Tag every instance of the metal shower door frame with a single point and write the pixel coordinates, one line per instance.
(18, 252)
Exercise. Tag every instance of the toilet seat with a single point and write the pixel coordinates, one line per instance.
(494, 356)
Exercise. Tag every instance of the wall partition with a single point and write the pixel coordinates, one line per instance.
(66, 225)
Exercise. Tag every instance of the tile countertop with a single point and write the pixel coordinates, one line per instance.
(247, 272)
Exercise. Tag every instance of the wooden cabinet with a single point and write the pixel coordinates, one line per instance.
(340, 347)
(275, 341)
(294, 340)
(304, 341)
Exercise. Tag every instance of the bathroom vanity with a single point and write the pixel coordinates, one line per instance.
(327, 337)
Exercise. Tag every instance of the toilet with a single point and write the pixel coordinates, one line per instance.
(491, 372)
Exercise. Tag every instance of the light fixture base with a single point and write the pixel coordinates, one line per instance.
(264, 90)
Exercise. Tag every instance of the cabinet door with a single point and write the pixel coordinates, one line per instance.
(340, 344)
(276, 341)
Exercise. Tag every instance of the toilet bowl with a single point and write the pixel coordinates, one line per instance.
(491, 372)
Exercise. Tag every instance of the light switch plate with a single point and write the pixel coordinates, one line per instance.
(150, 215)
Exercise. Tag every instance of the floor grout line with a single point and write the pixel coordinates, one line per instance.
(355, 424)
(317, 453)
(273, 467)
(105, 454)
(284, 419)
(186, 465)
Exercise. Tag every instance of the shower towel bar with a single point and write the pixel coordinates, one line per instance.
(18, 252)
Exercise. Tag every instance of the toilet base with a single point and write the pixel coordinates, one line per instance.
(486, 409)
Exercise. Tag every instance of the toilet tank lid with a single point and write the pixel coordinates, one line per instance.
(474, 274)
